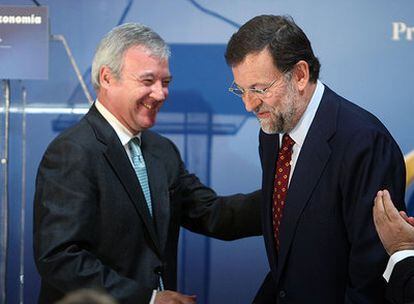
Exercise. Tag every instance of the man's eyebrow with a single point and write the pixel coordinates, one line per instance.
(146, 74)
(251, 86)
(258, 83)
(152, 75)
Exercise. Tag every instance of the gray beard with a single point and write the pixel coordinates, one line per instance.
(283, 122)
(279, 123)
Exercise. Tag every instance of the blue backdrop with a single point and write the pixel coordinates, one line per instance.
(366, 56)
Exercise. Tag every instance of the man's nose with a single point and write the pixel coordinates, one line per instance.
(251, 101)
(158, 92)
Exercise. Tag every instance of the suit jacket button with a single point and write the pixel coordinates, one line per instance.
(158, 270)
(282, 293)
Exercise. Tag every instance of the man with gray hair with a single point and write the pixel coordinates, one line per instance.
(111, 195)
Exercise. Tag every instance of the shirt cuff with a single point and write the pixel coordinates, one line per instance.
(154, 293)
(394, 259)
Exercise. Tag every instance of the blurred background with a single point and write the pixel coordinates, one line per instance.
(366, 50)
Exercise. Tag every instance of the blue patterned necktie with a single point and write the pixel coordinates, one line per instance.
(140, 169)
(141, 172)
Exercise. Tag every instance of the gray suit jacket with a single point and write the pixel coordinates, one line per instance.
(92, 228)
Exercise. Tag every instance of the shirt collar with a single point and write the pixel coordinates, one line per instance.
(298, 134)
(123, 133)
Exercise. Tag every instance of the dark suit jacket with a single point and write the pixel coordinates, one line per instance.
(329, 249)
(400, 289)
(91, 224)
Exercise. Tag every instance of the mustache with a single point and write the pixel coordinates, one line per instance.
(262, 108)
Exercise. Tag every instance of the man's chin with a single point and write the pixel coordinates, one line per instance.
(268, 130)
(275, 127)
(147, 126)
(147, 121)
(268, 127)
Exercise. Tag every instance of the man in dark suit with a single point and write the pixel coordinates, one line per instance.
(111, 195)
(396, 231)
(323, 159)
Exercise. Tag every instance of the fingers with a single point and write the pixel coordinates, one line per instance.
(408, 219)
(384, 210)
(395, 229)
(189, 299)
(172, 297)
(379, 210)
(389, 207)
(404, 215)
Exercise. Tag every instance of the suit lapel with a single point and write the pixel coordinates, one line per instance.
(312, 160)
(158, 183)
(118, 160)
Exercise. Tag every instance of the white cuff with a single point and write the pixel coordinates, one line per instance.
(394, 259)
(154, 293)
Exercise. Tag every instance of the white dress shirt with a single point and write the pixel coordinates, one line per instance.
(123, 133)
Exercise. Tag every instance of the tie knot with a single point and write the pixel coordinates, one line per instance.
(135, 147)
(135, 141)
(287, 142)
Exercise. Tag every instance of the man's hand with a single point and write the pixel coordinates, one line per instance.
(394, 228)
(172, 297)
(408, 219)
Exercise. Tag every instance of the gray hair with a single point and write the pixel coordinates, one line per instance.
(111, 49)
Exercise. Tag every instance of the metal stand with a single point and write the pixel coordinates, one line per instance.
(85, 90)
(4, 160)
(23, 198)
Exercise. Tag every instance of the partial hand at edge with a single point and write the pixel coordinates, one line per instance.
(172, 297)
(394, 228)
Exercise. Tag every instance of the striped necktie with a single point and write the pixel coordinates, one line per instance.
(141, 172)
(140, 169)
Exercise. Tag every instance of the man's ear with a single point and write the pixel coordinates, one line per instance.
(106, 77)
(301, 74)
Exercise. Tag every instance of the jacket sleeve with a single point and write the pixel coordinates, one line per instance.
(400, 289)
(372, 161)
(223, 217)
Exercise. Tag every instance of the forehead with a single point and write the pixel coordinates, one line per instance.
(255, 67)
(138, 59)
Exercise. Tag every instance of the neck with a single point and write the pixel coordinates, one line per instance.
(305, 97)
(309, 90)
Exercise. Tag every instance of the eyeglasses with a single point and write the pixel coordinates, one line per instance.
(236, 90)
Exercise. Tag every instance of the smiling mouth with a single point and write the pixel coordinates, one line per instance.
(148, 106)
